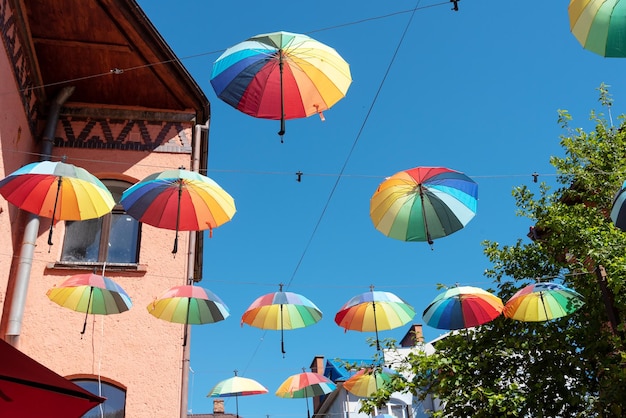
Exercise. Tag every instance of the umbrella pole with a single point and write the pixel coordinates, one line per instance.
(282, 98)
(87, 312)
(237, 404)
(282, 330)
(180, 193)
(186, 322)
(543, 303)
(430, 241)
(54, 210)
(376, 326)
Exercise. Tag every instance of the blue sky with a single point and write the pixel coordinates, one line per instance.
(475, 90)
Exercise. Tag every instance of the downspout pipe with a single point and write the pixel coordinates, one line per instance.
(191, 261)
(31, 230)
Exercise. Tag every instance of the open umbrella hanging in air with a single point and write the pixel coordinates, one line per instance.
(281, 75)
(189, 305)
(599, 26)
(179, 200)
(281, 311)
(618, 208)
(374, 311)
(368, 380)
(305, 385)
(92, 294)
(58, 191)
(462, 307)
(542, 302)
(235, 387)
(423, 204)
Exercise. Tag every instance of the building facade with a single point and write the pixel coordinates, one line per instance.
(94, 83)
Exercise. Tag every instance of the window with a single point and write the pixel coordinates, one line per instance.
(115, 404)
(113, 238)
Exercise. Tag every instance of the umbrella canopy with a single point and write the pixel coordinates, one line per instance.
(462, 307)
(187, 305)
(92, 294)
(179, 200)
(618, 210)
(29, 389)
(367, 381)
(305, 385)
(280, 75)
(235, 387)
(374, 311)
(542, 302)
(599, 26)
(423, 204)
(281, 311)
(58, 191)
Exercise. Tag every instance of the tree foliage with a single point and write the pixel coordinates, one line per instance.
(568, 367)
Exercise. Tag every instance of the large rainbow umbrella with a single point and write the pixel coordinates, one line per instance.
(599, 25)
(92, 294)
(367, 381)
(374, 311)
(462, 307)
(235, 387)
(542, 302)
(423, 203)
(305, 385)
(281, 75)
(281, 311)
(180, 200)
(58, 191)
(189, 305)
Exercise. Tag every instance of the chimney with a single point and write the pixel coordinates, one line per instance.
(218, 406)
(413, 337)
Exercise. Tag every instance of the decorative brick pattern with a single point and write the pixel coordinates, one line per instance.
(135, 135)
(21, 67)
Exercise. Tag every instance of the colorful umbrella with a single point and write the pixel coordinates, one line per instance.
(305, 385)
(618, 210)
(180, 200)
(599, 25)
(58, 191)
(281, 75)
(189, 305)
(92, 294)
(367, 381)
(374, 311)
(281, 311)
(462, 307)
(542, 302)
(423, 203)
(237, 386)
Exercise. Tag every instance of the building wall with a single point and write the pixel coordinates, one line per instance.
(135, 350)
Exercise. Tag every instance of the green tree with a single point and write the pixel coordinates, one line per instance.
(568, 367)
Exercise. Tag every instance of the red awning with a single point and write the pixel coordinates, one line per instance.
(29, 389)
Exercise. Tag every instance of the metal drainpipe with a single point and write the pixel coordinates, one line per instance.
(31, 230)
(191, 260)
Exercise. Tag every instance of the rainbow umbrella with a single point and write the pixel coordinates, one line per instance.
(281, 311)
(235, 387)
(92, 294)
(542, 302)
(281, 75)
(599, 25)
(374, 311)
(367, 381)
(305, 385)
(423, 203)
(618, 209)
(58, 191)
(180, 200)
(187, 305)
(462, 307)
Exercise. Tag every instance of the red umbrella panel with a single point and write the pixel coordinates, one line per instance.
(29, 389)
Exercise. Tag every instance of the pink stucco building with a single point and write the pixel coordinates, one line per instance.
(93, 81)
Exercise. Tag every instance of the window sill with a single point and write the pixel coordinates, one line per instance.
(90, 267)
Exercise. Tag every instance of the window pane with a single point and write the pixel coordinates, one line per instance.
(123, 239)
(115, 404)
(82, 240)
